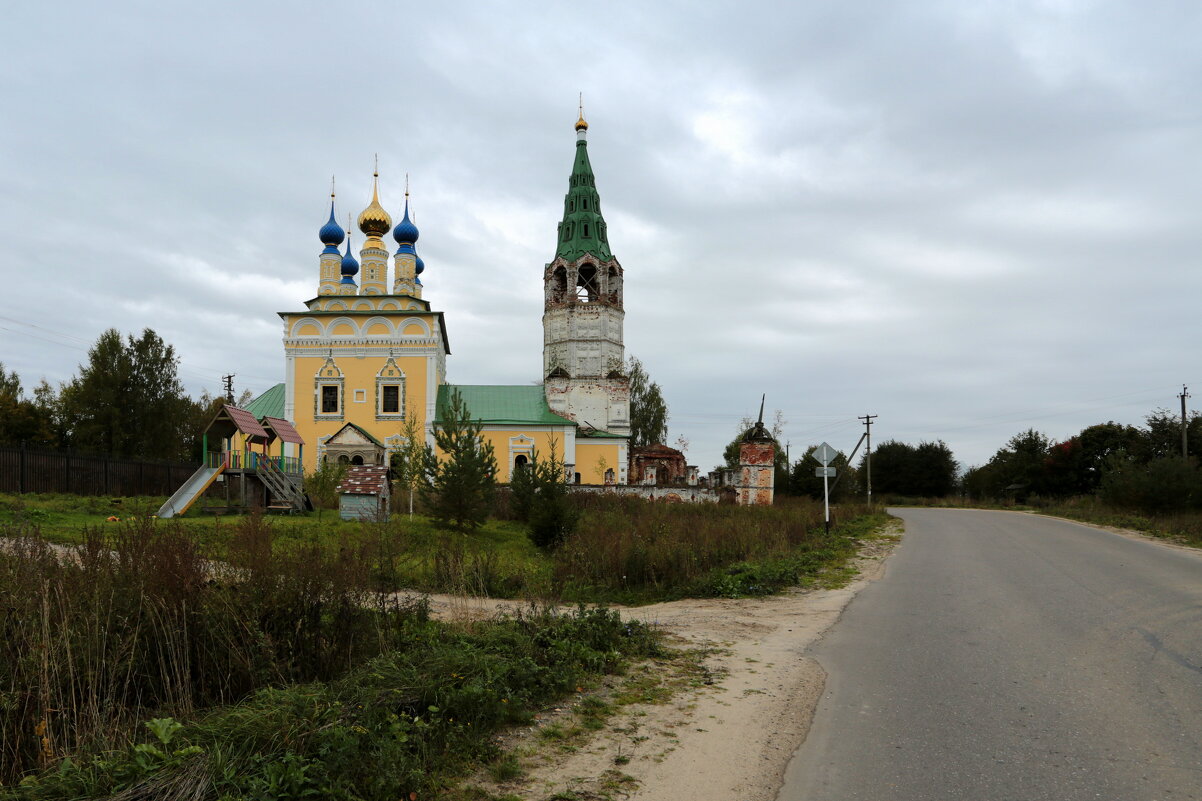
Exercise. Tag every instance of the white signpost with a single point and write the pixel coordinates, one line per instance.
(825, 454)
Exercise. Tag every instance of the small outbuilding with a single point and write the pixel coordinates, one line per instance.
(363, 493)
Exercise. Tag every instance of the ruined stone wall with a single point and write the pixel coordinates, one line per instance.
(666, 494)
(757, 473)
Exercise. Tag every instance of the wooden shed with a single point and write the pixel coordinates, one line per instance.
(363, 493)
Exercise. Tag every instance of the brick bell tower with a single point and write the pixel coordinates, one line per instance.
(583, 355)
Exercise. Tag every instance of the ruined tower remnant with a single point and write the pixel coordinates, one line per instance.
(757, 465)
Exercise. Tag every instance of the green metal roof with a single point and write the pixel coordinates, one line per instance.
(583, 228)
(512, 405)
(595, 434)
(269, 404)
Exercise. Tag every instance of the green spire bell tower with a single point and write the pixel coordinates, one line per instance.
(583, 228)
(583, 354)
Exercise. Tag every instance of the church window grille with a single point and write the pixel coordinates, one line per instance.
(329, 399)
(390, 400)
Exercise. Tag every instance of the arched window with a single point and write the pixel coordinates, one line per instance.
(585, 234)
(559, 283)
(571, 205)
(586, 284)
(357, 459)
(344, 459)
(520, 462)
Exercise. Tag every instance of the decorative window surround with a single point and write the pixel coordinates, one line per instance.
(390, 392)
(329, 376)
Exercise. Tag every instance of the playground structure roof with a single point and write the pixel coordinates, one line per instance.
(230, 419)
(281, 428)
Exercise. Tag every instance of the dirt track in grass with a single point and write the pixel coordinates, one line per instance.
(718, 721)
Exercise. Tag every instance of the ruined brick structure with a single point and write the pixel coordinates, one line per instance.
(757, 468)
(658, 465)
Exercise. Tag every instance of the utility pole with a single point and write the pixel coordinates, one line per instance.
(1184, 424)
(868, 418)
(229, 388)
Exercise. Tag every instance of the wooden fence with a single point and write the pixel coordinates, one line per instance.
(29, 470)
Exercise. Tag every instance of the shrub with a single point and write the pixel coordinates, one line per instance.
(140, 620)
(1163, 485)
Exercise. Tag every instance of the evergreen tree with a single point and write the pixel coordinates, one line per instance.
(460, 484)
(926, 470)
(128, 400)
(648, 409)
(546, 500)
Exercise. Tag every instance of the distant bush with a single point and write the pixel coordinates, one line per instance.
(1170, 484)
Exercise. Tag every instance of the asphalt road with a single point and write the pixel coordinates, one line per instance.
(1009, 656)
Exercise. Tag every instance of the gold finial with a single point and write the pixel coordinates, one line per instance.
(406, 187)
(374, 220)
(581, 125)
(331, 187)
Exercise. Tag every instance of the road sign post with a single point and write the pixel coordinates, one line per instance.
(825, 454)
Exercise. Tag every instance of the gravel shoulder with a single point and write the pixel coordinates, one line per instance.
(719, 720)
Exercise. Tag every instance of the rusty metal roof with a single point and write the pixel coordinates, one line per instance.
(362, 479)
(283, 429)
(230, 419)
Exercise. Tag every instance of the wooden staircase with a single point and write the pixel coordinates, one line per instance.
(286, 491)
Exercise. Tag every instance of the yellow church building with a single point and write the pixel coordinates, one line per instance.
(367, 356)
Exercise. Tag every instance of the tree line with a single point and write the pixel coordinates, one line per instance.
(126, 400)
(1135, 467)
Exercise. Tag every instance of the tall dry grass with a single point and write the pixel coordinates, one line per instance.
(625, 543)
(137, 621)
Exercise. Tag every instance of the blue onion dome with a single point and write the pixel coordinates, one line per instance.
(421, 266)
(405, 232)
(331, 234)
(349, 265)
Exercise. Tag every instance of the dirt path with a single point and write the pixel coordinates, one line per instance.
(740, 705)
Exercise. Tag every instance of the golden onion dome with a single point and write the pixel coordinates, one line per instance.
(374, 220)
(581, 125)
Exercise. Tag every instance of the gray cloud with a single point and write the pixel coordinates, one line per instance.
(967, 218)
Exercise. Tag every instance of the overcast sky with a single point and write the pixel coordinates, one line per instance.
(968, 218)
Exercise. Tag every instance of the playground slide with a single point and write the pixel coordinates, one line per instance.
(192, 489)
